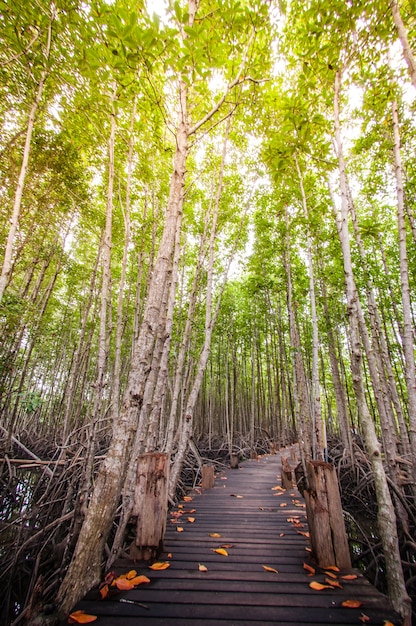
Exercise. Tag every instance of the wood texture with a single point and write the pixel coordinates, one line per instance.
(324, 510)
(261, 527)
(207, 480)
(150, 504)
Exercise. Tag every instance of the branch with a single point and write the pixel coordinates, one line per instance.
(230, 86)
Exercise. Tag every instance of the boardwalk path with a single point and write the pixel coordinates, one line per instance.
(236, 590)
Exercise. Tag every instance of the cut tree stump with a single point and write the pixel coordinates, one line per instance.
(207, 481)
(329, 541)
(287, 476)
(150, 505)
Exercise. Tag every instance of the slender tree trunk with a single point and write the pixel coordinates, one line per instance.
(14, 220)
(386, 515)
(408, 335)
(404, 40)
(318, 426)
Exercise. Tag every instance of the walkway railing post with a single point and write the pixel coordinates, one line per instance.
(150, 505)
(329, 541)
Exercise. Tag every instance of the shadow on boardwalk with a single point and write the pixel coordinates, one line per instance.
(259, 525)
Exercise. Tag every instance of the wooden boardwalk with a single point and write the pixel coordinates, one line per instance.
(259, 526)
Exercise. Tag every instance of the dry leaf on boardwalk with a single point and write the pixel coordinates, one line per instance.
(215, 535)
(79, 617)
(318, 586)
(221, 551)
(202, 568)
(159, 565)
(309, 569)
(333, 583)
(334, 568)
(270, 569)
(351, 604)
(187, 499)
(364, 618)
(349, 577)
(180, 529)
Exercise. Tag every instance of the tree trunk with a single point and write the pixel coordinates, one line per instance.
(402, 33)
(408, 335)
(386, 514)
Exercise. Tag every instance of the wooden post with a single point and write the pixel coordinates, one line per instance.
(207, 481)
(234, 461)
(324, 510)
(150, 505)
(287, 477)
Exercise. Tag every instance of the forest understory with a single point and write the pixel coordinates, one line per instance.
(41, 514)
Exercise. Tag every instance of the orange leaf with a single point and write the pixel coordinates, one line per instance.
(301, 532)
(104, 591)
(215, 535)
(139, 580)
(270, 569)
(191, 520)
(170, 555)
(159, 565)
(318, 586)
(179, 529)
(278, 488)
(334, 568)
(387, 623)
(180, 506)
(79, 617)
(330, 574)
(227, 545)
(351, 604)
(123, 584)
(187, 499)
(309, 569)
(283, 504)
(202, 568)
(333, 583)
(349, 577)
(364, 618)
(220, 551)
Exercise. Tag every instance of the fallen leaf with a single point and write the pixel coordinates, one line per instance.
(220, 551)
(334, 583)
(215, 535)
(349, 577)
(334, 568)
(159, 565)
(309, 569)
(318, 586)
(308, 549)
(123, 584)
(139, 580)
(202, 568)
(270, 569)
(180, 529)
(227, 546)
(191, 520)
(351, 604)
(330, 574)
(170, 555)
(104, 591)
(283, 504)
(278, 488)
(301, 532)
(387, 623)
(79, 617)
(234, 495)
(364, 618)
(282, 535)
(180, 506)
(187, 499)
